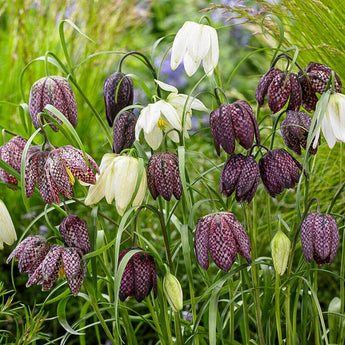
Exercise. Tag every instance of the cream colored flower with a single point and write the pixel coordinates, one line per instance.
(195, 42)
(7, 231)
(117, 180)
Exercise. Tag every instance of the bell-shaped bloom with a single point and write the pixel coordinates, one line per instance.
(118, 94)
(295, 129)
(320, 238)
(173, 291)
(166, 116)
(232, 122)
(314, 80)
(163, 175)
(279, 170)
(117, 180)
(280, 248)
(30, 253)
(7, 231)
(60, 261)
(280, 89)
(57, 92)
(223, 236)
(74, 231)
(195, 42)
(240, 173)
(124, 131)
(139, 276)
(11, 153)
(333, 121)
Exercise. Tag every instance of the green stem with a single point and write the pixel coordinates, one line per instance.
(156, 321)
(287, 315)
(342, 292)
(245, 311)
(277, 309)
(179, 339)
(294, 315)
(231, 312)
(315, 312)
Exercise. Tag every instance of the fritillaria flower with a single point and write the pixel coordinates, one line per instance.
(195, 42)
(117, 180)
(139, 276)
(234, 121)
(57, 92)
(295, 129)
(60, 261)
(74, 231)
(7, 231)
(280, 248)
(279, 170)
(11, 153)
(166, 116)
(240, 173)
(118, 94)
(314, 81)
(320, 238)
(124, 131)
(163, 175)
(223, 236)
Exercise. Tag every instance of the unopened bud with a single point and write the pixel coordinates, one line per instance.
(280, 247)
(173, 291)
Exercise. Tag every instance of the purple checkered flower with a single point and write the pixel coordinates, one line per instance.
(139, 276)
(55, 91)
(11, 153)
(223, 236)
(315, 81)
(163, 175)
(74, 231)
(240, 173)
(320, 238)
(118, 94)
(279, 170)
(124, 131)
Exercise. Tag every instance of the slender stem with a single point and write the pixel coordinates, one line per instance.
(156, 321)
(277, 309)
(315, 312)
(342, 292)
(245, 310)
(287, 315)
(179, 339)
(231, 312)
(294, 315)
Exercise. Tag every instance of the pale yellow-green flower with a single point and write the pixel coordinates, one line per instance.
(280, 248)
(173, 291)
(7, 230)
(117, 180)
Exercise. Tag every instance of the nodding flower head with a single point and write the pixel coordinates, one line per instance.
(320, 238)
(223, 236)
(55, 91)
(124, 131)
(118, 94)
(139, 276)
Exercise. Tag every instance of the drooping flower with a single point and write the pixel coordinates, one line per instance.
(11, 153)
(195, 42)
(295, 129)
(314, 81)
(234, 121)
(139, 276)
(264, 83)
(163, 175)
(320, 238)
(240, 173)
(7, 231)
(333, 121)
(124, 131)
(223, 236)
(280, 247)
(279, 170)
(173, 291)
(117, 180)
(56, 91)
(74, 231)
(166, 116)
(118, 94)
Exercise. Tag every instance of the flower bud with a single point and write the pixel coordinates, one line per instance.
(124, 131)
(280, 247)
(173, 291)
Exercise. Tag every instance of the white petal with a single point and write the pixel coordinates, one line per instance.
(200, 42)
(172, 134)
(210, 61)
(327, 131)
(166, 87)
(337, 117)
(154, 138)
(190, 65)
(179, 46)
(148, 119)
(170, 114)
(141, 191)
(7, 230)
(110, 181)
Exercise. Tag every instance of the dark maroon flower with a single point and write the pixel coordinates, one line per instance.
(55, 91)
(320, 238)
(295, 129)
(314, 81)
(74, 231)
(264, 83)
(279, 170)
(11, 153)
(234, 121)
(139, 276)
(124, 131)
(30, 253)
(163, 175)
(240, 173)
(118, 94)
(223, 236)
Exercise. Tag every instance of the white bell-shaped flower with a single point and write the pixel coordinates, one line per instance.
(7, 232)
